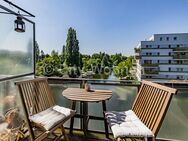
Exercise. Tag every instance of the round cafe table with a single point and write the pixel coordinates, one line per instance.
(83, 96)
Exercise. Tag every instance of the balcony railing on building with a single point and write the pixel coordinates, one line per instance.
(146, 72)
(180, 49)
(137, 50)
(180, 56)
(150, 64)
(137, 56)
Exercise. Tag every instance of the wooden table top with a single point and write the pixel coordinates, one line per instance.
(78, 94)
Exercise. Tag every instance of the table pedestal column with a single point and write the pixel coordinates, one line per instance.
(105, 122)
(85, 119)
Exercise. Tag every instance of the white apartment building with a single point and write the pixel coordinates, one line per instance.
(163, 57)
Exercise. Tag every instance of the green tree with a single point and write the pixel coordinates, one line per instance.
(63, 54)
(116, 59)
(72, 55)
(123, 68)
(42, 55)
(37, 52)
(54, 53)
(81, 62)
(104, 61)
(75, 50)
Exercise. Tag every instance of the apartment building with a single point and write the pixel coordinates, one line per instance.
(163, 57)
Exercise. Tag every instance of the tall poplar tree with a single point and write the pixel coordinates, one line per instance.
(37, 52)
(75, 51)
(72, 55)
(63, 54)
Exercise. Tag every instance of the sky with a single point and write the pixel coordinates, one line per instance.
(111, 26)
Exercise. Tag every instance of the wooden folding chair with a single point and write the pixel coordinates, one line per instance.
(42, 116)
(146, 116)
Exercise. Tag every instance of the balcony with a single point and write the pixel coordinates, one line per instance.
(151, 72)
(180, 49)
(180, 57)
(150, 65)
(137, 56)
(21, 65)
(123, 95)
(137, 50)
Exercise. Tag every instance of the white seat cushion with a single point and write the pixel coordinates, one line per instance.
(127, 124)
(51, 116)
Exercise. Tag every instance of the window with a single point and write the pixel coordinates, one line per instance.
(158, 53)
(178, 45)
(169, 53)
(169, 46)
(175, 38)
(161, 38)
(169, 69)
(167, 38)
(183, 53)
(158, 46)
(169, 61)
(158, 61)
(146, 46)
(178, 62)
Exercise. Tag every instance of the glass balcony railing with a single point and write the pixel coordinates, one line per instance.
(150, 65)
(124, 93)
(137, 50)
(173, 127)
(180, 49)
(137, 56)
(151, 72)
(179, 56)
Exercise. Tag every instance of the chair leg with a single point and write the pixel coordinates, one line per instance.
(119, 139)
(72, 119)
(63, 133)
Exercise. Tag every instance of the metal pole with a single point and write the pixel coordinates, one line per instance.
(19, 8)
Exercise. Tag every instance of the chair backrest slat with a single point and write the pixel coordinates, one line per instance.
(151, 104)
(36, 93)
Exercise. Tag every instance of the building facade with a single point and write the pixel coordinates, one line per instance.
(163, 57)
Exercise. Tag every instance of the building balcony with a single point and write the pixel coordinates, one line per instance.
(22, 66)
(122, 99)
(180, 49)
(137, 56)
(147, 72)
(124, 93)
(180, 56)
(175, 71)
(137, 50)
(150, 65)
